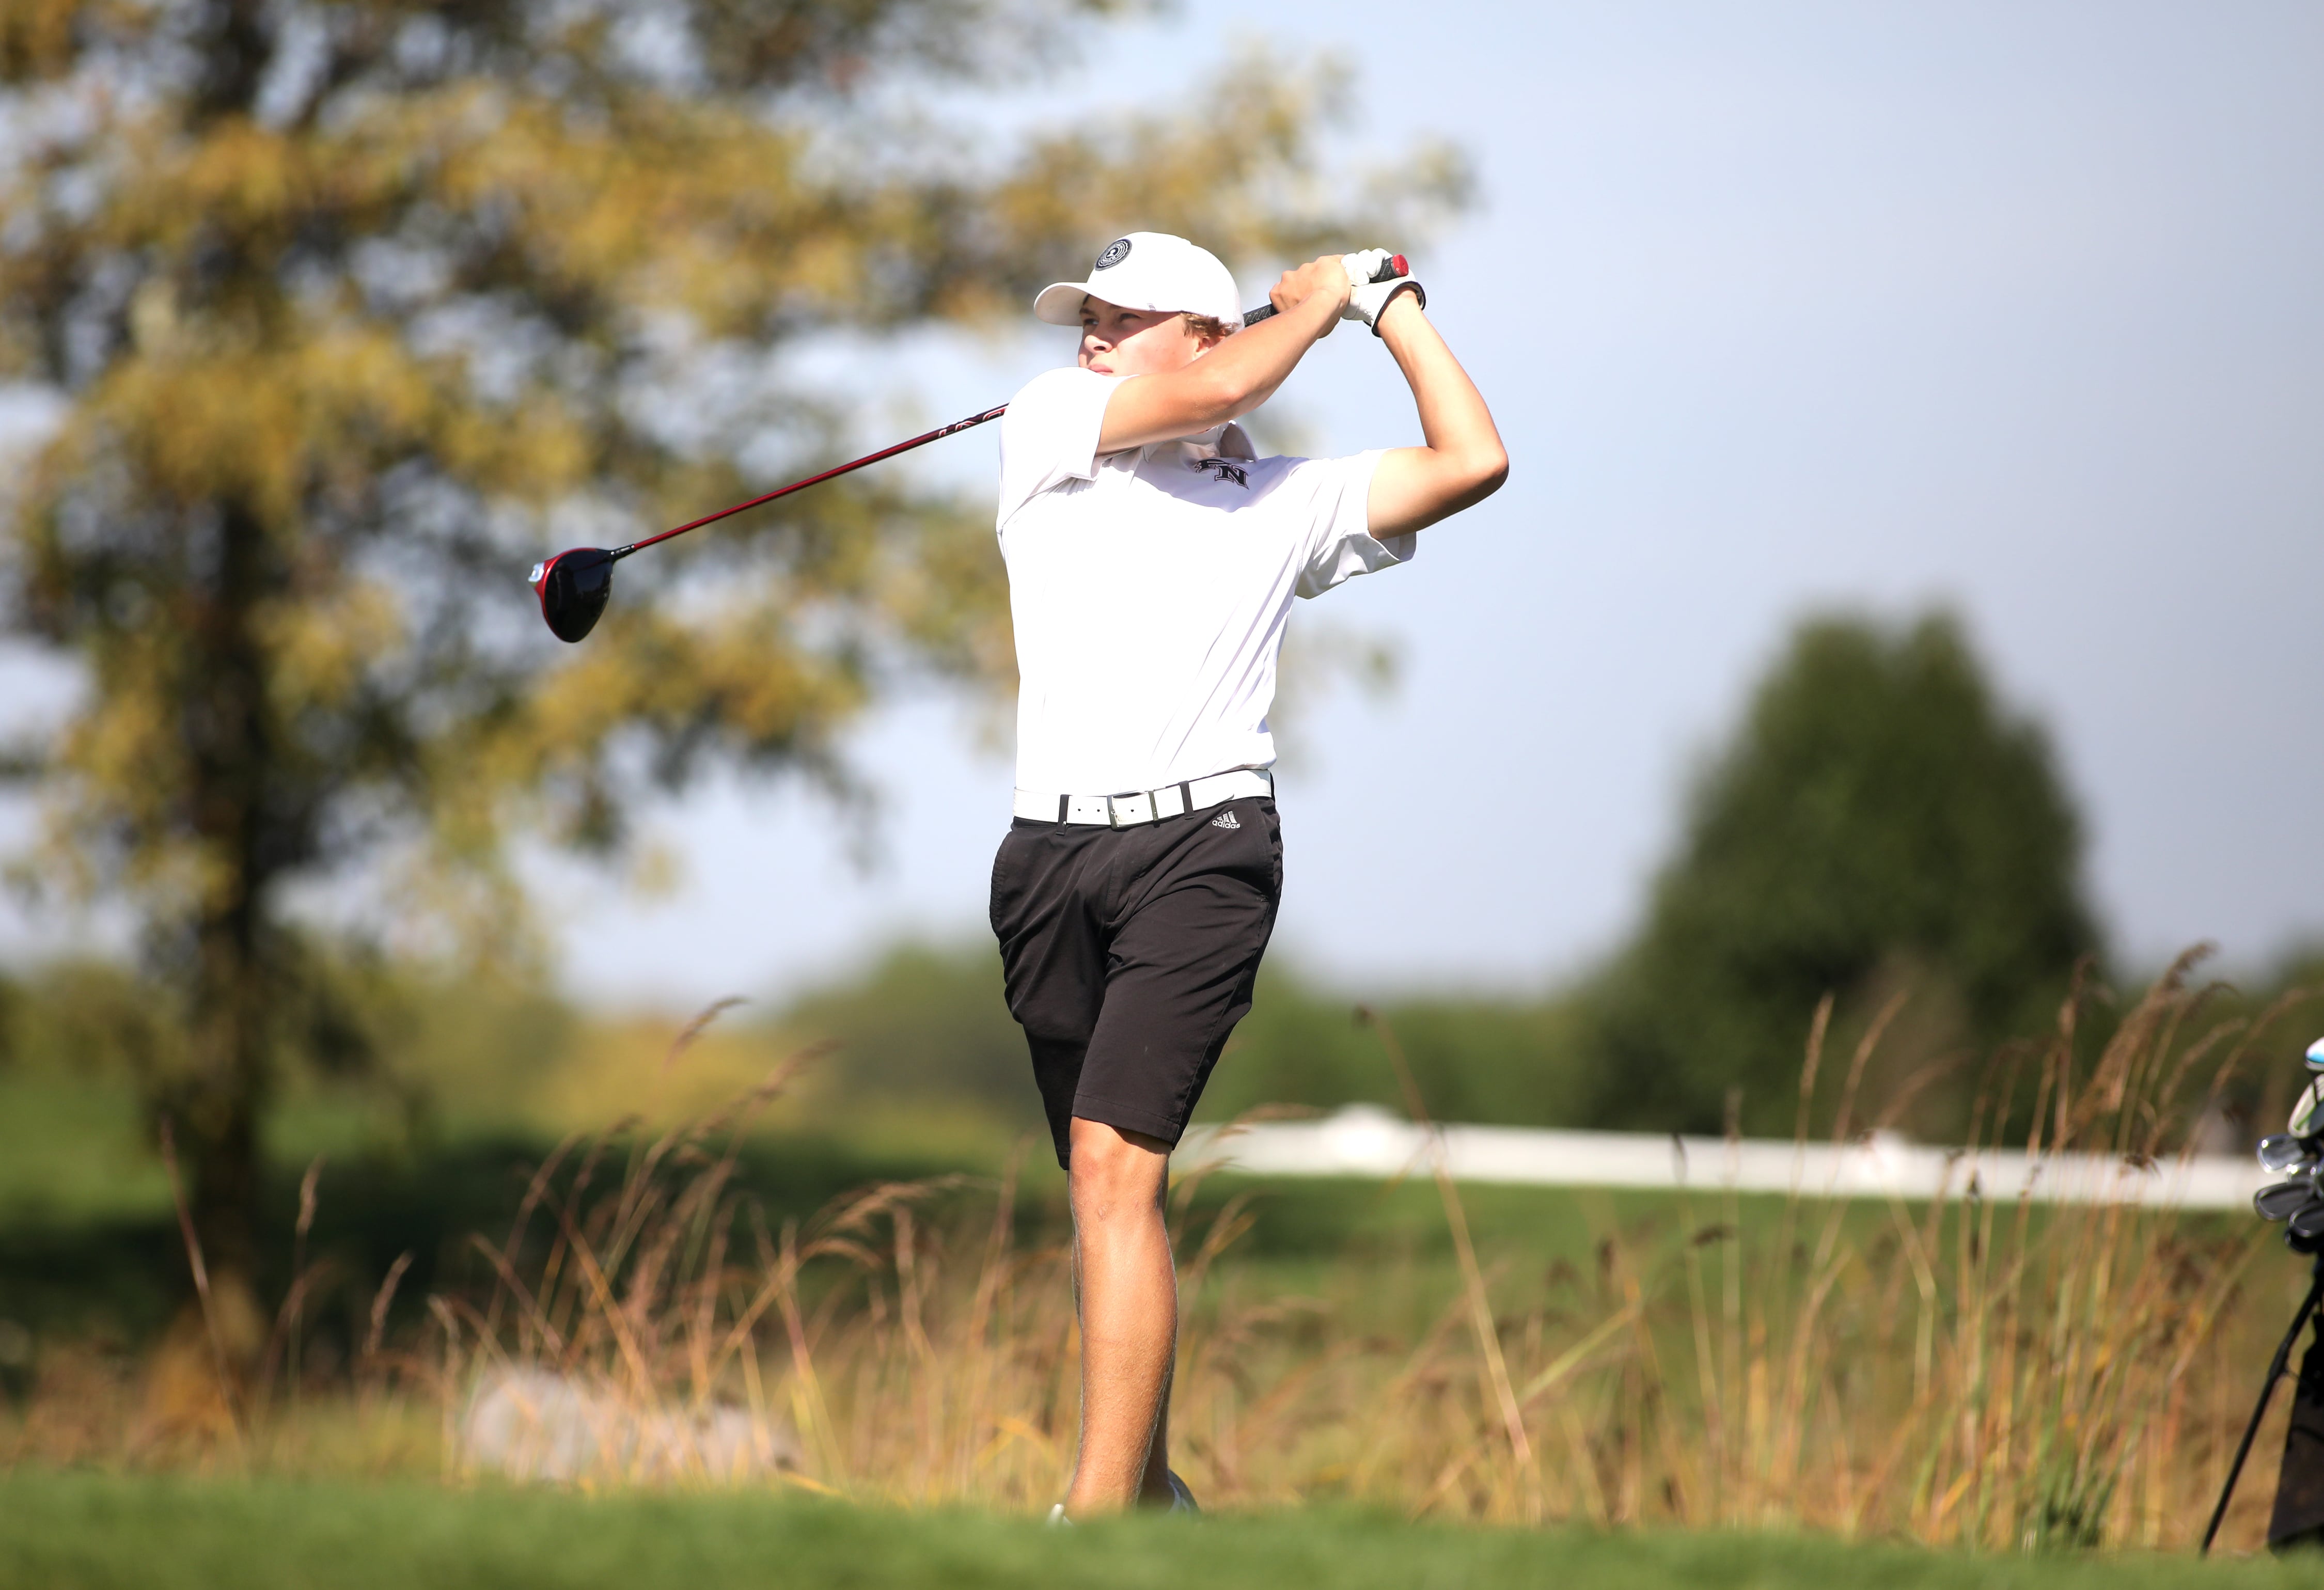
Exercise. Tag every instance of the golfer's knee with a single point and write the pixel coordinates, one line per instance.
(1116, 1173)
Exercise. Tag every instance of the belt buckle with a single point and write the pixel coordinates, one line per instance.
(1130, 810)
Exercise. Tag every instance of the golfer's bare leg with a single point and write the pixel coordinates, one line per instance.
(1130, 1316)
(1155, 1488)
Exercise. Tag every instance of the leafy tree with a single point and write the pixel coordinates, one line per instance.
(1880, 823)
(361, 306)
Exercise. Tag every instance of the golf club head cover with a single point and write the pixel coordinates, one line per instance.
(1371, 296)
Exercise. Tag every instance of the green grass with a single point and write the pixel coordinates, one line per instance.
(88, 1242)
(71, 1149)
(89, 1245)
(72, 1530)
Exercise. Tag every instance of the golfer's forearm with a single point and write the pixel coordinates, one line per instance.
(1226, 383)
(1461, 461)
(1251, 363)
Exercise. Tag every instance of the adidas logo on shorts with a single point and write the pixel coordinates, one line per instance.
(1225, 820)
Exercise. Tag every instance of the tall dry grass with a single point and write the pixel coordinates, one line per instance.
(1973, 1369)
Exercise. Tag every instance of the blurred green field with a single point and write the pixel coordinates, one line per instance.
(70, 1150)
(1716, 1361)
(88, 1241)
(90, 1532)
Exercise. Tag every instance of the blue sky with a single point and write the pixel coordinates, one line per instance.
(1783, 308)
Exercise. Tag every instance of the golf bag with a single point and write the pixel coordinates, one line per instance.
(2299, 1516)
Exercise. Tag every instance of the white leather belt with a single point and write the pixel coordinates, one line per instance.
(1145, 805)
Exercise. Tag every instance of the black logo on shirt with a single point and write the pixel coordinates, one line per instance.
(1228, 470)
(1115, 253)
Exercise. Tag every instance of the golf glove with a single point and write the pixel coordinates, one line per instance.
(1369, 297)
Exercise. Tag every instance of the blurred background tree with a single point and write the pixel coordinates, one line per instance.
(927, 1024)
(1879, 826)
(359, 307)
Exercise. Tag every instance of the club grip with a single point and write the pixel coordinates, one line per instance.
(1396, 266)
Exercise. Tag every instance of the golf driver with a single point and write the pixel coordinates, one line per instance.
(575, 585)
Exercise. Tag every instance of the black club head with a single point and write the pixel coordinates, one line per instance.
(2308, 1222)
(2281, 1151)
(2281, 1200)
(574, 587)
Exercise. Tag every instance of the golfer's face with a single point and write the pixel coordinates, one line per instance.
(1116, 341)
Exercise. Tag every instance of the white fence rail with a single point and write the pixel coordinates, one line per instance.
(1362, 1141)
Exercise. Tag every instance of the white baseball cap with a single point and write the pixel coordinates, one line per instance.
(1147, 271)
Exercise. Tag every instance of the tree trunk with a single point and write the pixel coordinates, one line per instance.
(229, 741)
(221, 1102)
(227, 733)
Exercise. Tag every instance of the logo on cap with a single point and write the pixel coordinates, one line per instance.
(1115, 253)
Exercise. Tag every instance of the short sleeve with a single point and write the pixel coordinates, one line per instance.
(1340, 544)
(1050, 435)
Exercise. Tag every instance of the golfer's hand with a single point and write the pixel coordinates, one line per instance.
(1327, 276)
(1361, 267)
(1372, 296)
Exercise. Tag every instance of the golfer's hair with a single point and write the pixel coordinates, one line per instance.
(1204, 326)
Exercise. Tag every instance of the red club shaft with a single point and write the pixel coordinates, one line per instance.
(937, 434)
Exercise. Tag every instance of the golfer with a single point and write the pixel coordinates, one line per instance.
(1152, 560)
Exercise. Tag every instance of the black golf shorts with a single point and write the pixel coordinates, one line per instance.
(1129, 955)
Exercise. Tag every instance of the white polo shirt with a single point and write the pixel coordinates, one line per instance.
(1150, 589)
